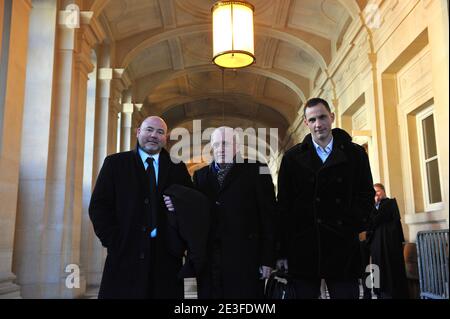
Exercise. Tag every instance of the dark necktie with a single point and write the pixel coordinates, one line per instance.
(150, 171)
(222, 172)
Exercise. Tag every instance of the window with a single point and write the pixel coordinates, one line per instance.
(428, 157)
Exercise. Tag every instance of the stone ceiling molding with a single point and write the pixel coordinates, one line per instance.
(149, 83)
(351, 6)
(263, 107)
(146, 40)
(284, 110)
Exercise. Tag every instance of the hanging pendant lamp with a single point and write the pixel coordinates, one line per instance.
(233, 40)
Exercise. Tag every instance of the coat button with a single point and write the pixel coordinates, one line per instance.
(319, 221)
(142, 256)
(146, 201)
(339, 179)
(218, 203)
(338, 200)
(339, 222)
(317, 199)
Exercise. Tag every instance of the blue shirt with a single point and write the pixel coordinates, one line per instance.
(323, 153)
(144, 157)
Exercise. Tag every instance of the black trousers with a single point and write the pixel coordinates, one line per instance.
(309, 288)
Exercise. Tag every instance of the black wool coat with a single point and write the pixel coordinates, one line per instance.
(120, 213)
(323, 207)
(242, 221)
(386, 246)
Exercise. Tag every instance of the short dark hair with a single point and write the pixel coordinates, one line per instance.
(379, 185)
(315, 101)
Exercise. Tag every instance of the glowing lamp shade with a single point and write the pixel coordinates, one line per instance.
(233, 45)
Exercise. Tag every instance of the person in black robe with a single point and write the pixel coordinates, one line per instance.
(386, 246)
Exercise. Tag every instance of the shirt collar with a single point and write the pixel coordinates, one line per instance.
(217, 167)
(145, 155)
(327, 148)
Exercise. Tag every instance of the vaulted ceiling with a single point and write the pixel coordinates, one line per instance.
(165, 46)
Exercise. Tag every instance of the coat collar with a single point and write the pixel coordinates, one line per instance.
(232, 174)
(307, 152)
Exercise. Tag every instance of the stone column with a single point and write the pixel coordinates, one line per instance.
(127, 113)
(88, 238)
(35, 141)
(93, 259)
(114, 109)
(65, 176)
(136, 120)
(51, 204)
(13, 58)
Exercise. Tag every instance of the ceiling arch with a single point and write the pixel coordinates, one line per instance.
(195, 107)
(287, 112)
(98, 6)
(142, 41)
(290, 80)
(351, 6)
(158, 42)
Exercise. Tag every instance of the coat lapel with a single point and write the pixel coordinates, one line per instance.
(211, 179)
(306, 155)
(140, 169)
(163, 171)
(232, 174)
(336, 157)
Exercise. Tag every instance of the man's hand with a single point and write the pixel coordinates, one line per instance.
(265, 272)
(169, 203)
(282, 263)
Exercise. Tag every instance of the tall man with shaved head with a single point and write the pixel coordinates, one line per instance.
(131, 216)
(242, 206)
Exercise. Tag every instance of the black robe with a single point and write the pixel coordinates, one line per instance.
(120, 210)
(386, 246)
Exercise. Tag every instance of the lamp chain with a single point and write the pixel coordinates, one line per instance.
(223, 96)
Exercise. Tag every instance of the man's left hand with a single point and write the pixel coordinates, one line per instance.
(169, 204)
(265, 272)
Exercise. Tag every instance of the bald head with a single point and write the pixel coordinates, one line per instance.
(225, 144)
(152, 134)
